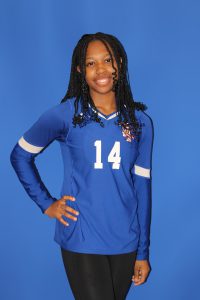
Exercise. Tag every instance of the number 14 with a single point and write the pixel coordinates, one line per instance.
(114, 155)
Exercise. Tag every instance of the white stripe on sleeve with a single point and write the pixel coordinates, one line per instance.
(142, 171)
(28, 147)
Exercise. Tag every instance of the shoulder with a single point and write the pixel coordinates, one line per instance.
(58, 110)
(143, 116)
(52, 123)
(57, 113)
(144, 120)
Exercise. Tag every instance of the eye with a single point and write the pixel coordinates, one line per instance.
(109, 59)
(89, 64)
(92, 63)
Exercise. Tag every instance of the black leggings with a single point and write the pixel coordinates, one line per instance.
(97, 276)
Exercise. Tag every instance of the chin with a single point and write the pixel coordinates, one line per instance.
(102, 90)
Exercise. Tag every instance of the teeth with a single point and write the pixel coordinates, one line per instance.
(102, 80)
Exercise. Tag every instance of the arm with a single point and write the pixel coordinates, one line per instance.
(142, 182)
(48, 127)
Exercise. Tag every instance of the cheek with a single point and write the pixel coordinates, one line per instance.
(90, 70)
(90, 74)
(111, 70)
(116, 70)
(89, 81)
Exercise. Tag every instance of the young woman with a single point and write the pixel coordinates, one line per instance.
(103, 215)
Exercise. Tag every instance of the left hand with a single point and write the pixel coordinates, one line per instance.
(141, 271)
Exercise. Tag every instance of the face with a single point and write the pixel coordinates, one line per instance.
(99, 68)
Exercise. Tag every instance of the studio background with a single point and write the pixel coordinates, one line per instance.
(161, 39)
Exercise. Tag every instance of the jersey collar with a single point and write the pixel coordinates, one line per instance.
(106, 117)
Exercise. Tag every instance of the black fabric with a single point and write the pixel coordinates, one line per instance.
(97, 276)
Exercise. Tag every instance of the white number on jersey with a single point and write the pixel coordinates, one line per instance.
(114, 155)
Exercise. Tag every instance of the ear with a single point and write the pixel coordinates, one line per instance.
(121, 62)
(78, 69)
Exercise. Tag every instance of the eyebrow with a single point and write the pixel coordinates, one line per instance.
(90, 57)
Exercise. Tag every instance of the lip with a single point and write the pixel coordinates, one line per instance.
(103, 80)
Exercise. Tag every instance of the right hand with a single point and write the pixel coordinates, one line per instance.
(59, 208)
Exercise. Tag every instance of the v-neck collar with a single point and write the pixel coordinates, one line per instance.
(106, 117)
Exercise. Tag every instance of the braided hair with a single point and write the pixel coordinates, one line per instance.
(79, 88)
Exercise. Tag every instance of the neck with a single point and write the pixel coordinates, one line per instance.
(106, 102)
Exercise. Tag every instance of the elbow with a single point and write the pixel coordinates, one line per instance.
(13, 155)
(19, 154)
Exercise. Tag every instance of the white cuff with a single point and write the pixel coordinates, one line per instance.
(28, 147)
(142, 171)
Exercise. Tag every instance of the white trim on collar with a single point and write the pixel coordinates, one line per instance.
(110, 117)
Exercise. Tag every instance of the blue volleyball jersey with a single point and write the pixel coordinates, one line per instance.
(107, 171)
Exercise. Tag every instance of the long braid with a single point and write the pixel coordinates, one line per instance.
(79, 89)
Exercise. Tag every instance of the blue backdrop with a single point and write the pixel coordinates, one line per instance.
(161, 39)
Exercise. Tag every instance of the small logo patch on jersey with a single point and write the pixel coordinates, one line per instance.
(126, 132)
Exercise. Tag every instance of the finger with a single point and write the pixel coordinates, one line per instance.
(70, 216)
(136, 275)
(137, 272)
(63, 208)
(63, 222)
(67, 197)
(137, 281)
(140, 279)
(68, 208)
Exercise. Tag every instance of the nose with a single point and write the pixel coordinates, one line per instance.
(100, 68)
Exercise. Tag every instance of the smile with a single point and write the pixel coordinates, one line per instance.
(103, 81)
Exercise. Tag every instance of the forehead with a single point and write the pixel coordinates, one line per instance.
(97, 49)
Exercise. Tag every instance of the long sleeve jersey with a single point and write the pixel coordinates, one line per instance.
(108, 173)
